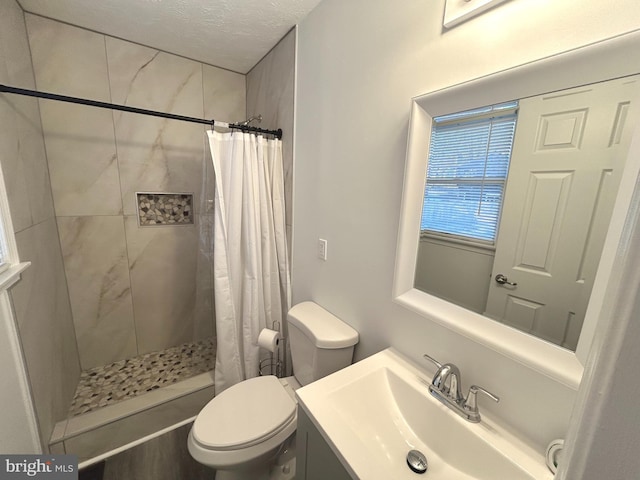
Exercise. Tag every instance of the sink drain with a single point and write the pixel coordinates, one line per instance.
(417, 461)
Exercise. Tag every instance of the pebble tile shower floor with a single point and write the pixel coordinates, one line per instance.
(109, 384)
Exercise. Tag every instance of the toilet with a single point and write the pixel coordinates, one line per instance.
(242, 431)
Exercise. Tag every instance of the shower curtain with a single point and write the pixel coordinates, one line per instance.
(250, 261)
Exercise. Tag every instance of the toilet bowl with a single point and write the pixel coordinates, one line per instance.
(242, 431)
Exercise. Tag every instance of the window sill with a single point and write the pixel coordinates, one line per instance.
(11, 275)
(457, 241)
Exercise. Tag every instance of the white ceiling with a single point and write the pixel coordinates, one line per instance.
(233, 34)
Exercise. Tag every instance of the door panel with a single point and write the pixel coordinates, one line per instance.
(564, 174)
(541, 220)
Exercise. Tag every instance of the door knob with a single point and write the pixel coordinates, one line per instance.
(502, 280)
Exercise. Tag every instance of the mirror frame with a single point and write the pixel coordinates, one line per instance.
(605, 60)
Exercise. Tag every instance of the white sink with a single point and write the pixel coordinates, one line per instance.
(377, 410)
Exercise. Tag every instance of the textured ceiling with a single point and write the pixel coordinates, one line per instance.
(233, 34)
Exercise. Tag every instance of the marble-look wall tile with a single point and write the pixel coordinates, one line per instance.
(224, 94)
(95, 258)
(14, 46)
(82, 159)
(23, 160)
(68, 60)
(29, 186)
(147, 78)
(270, 92)
(155, 154)
(13, 168)
(81, 149)
(40, 298)
(162, 263)
(157, 157)
(43, 314)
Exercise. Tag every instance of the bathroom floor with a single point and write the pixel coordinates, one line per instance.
(163, 458)
(109, 384)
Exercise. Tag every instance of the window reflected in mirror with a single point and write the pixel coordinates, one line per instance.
(469, 156)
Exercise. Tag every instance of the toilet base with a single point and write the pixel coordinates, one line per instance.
(281, 467)
(259, 474)
(287, 471)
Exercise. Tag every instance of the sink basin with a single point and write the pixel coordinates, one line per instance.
(377, 410)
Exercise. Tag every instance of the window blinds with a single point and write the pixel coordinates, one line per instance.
(468, 164)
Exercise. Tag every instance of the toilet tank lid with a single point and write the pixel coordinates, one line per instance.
(322, 327)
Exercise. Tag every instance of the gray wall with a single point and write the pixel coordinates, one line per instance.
(458, 273)
(133, 290)
(40, 299)
(359, 65)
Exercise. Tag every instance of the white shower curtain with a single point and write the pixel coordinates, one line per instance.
(250, 261)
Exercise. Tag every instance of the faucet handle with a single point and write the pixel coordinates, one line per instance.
(471, 403)
(432, 360)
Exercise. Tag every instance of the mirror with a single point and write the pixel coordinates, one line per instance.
(523, 248)
(611, 59)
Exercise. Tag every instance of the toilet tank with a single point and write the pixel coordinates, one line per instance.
(320, 342)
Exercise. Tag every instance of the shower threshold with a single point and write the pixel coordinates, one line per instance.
(122, 402)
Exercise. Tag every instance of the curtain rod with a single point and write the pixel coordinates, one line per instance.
(141, 111)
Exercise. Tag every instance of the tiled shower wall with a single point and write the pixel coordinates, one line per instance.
(270, 93)
(40, 298)
(133, 289)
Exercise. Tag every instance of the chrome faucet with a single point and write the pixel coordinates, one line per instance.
(446, 386)
(451, 374)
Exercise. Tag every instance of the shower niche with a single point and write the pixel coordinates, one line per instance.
(156, 209)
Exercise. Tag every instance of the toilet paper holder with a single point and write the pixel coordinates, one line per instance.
(272, 365)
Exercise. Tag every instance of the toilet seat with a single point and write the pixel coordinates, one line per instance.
(244, 415)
